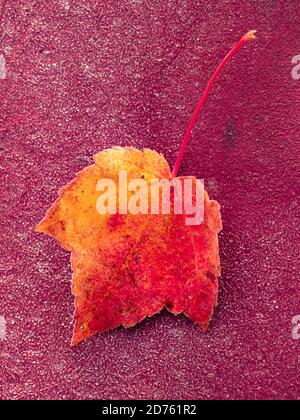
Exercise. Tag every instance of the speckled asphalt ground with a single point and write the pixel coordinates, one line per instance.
(80, 76)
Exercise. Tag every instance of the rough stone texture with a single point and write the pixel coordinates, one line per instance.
(83, 76)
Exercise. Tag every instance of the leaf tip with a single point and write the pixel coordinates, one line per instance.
(40, 227)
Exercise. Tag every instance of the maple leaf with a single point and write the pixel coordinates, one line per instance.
(129, 267)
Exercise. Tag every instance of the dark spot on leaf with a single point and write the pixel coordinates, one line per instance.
(210, 275)
(137, 259)
(62, 225)
(169, 305)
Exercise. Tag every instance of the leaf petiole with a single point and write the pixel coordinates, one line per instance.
(250, 36)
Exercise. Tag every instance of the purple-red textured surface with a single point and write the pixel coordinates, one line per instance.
(83, 76)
